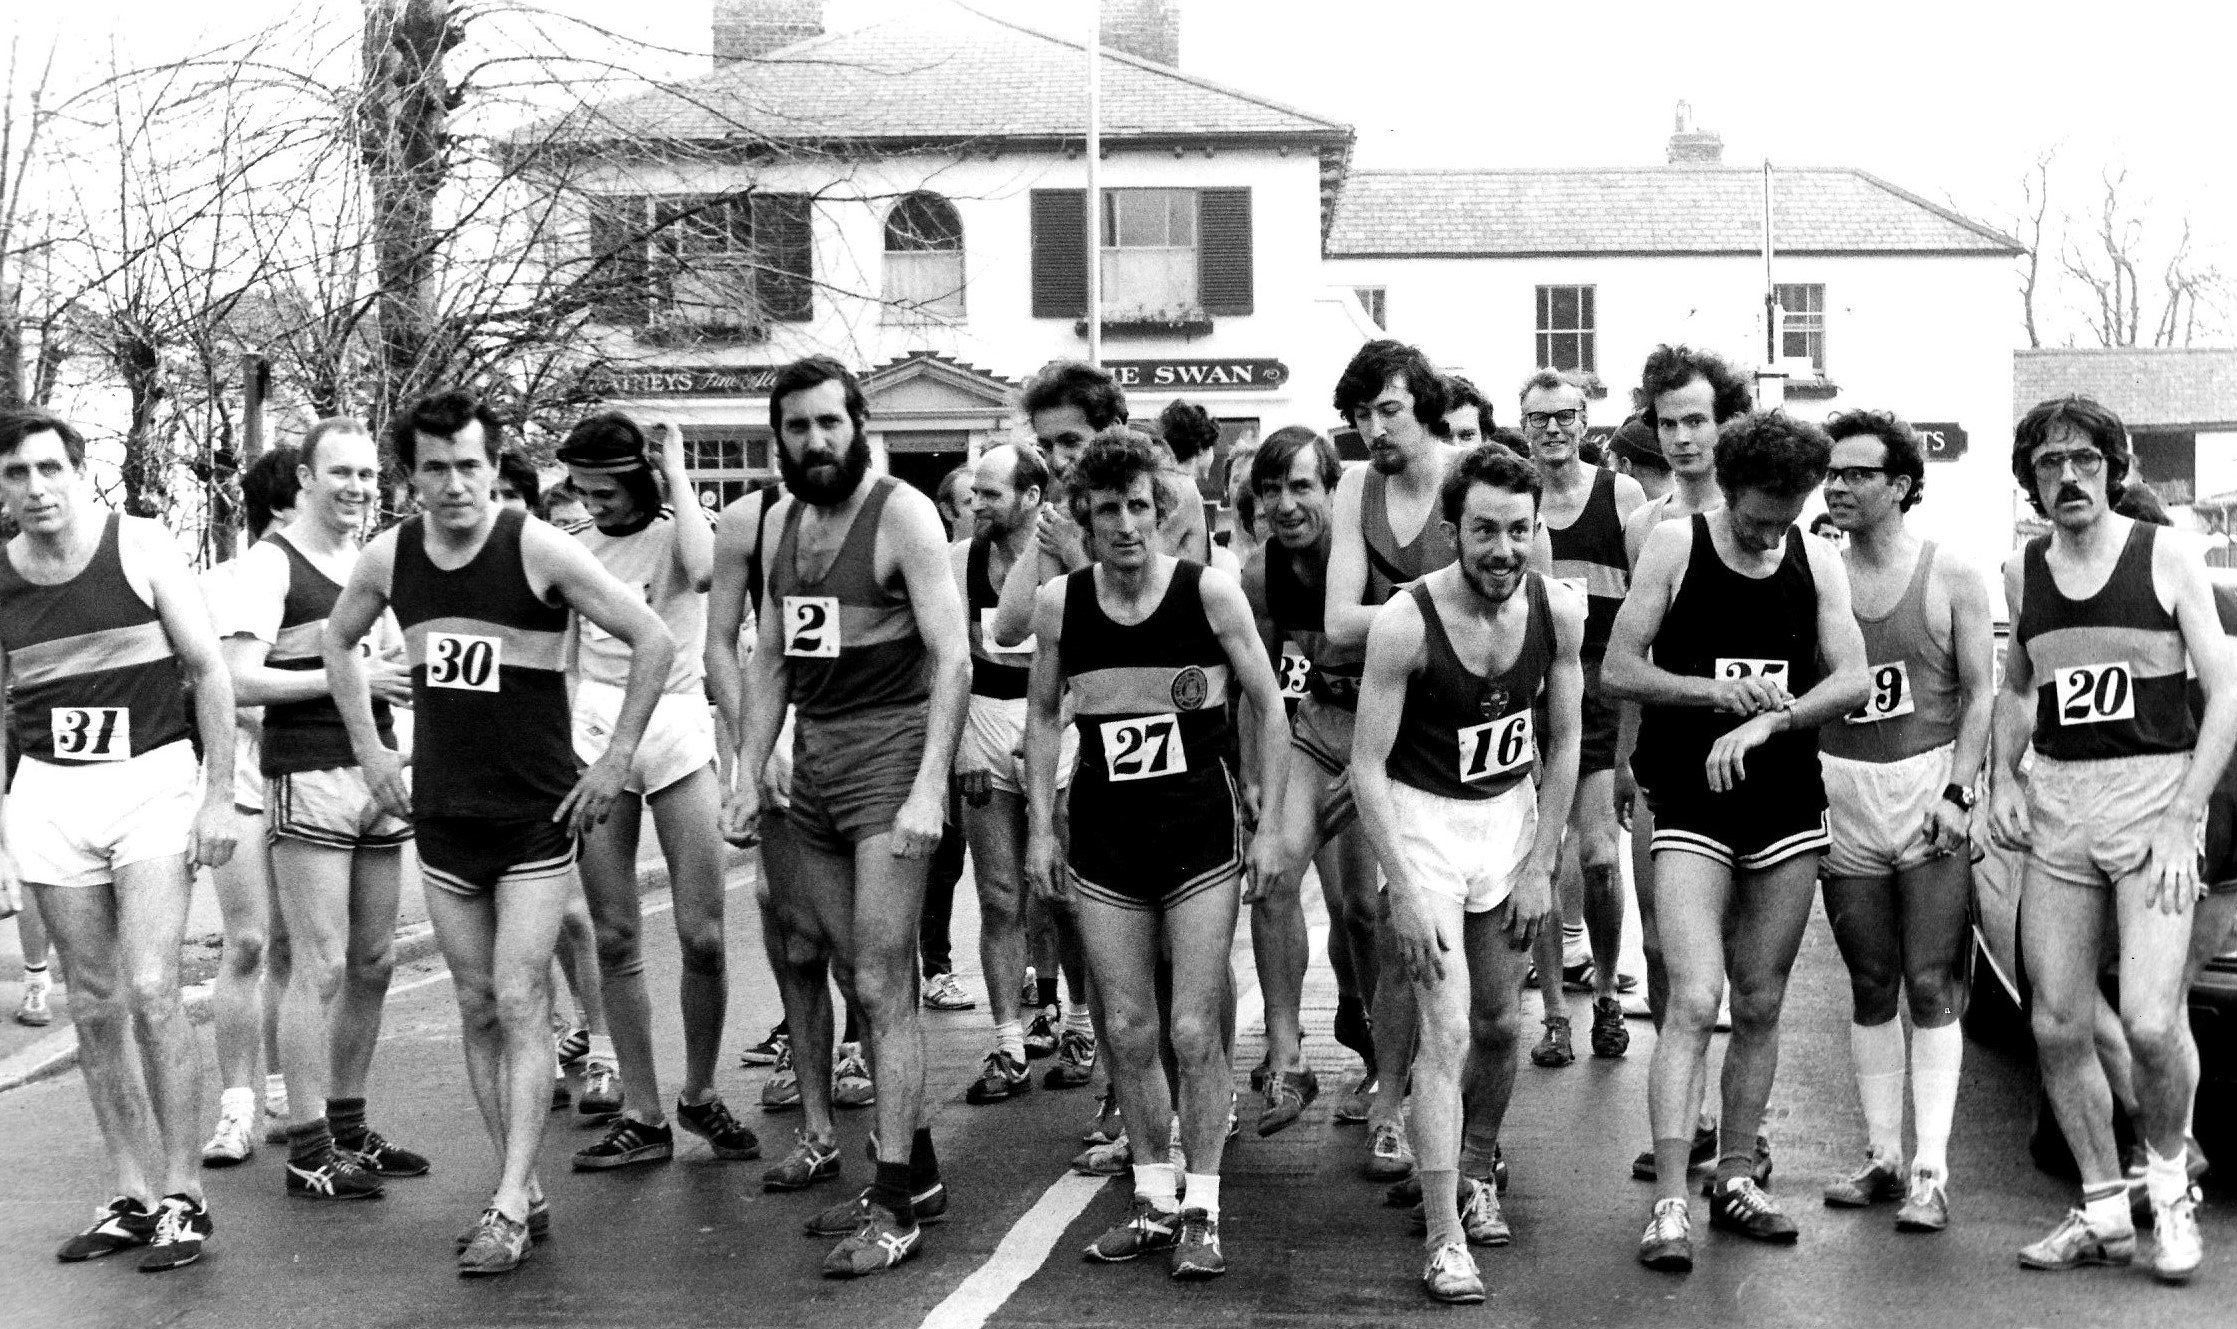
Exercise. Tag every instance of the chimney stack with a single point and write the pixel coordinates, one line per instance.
(1146, 29)
(750, 29)
(1694, 147)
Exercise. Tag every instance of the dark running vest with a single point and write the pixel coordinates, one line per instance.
(308, 735)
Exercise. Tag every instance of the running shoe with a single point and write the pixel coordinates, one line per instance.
(929, 1205)
(1926, 1207)
(1288, 1094)
(123, 1223)
(2074, 1243)
(1451, 1276)
(627, 1141)
(1108, 1159)
(2139, 1199)
(1583, 977)
(1879, 1179)
(1408, 1192)
(2176, 1252)
(1703, 1153)
(377, 1155)
(1109, 1125)
(539, 1224)
(810, 1161)
(1610, 1037)
(35, 1010)
(765, 1052)
(1147, 1228)
(781, 1091)
(1667, 1244)
(1353, 1106)
(851, 1085)
(943, 993)
(1480, 1215)
(1075, 1061)
(1040, 1034)
(1389, 1157)
(601, 1095)
(1762, 1172)
(1740, 1206)
(182, 1226)
(234, 1140)
(878, 1242)
(1197, 1254)
(336, 1176)
(1553, 1051)
(571, 1047)
(498, 1247)
(1001, 1077)
(712, 1121)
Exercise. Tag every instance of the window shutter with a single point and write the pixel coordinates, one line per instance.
(1059, 253)
(1223, 251)
(785, 242)
(618, 279)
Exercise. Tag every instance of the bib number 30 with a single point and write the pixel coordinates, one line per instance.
(2094, 694)
(1496, 747)
(468, 663)
(92, 733)
(812, 627)
(1891, 695)
(1143, 748)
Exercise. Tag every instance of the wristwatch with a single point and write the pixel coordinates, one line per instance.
(1958, 794)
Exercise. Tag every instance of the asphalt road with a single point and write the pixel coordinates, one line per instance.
(696, 1242)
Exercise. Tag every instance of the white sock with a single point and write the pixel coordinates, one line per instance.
(35, 975)
(275, 1092)
(1160, 1184)
(1877, 1050)
(1576, 947)
(237, 1101)
(1079, 1019)
(1935, 1056)
(2165, 1179)
(1009, 1036)
(2107, 1213)
(1203, 1193)
(602, 1050)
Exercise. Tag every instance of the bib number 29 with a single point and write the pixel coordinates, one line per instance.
(1143, 748)
(812, 627)
(469, 663)
(2093, 694)
(1891, 695)
(92, 733)
(1496, 747)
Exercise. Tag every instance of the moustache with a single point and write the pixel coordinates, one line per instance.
(2072, 493)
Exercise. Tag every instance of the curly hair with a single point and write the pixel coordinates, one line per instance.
(1773, 453)
(1076, 383)
(1372, 368)
(1669, 368)
(1904, 458)
(442, 415)
(1113, 461)
(1188, 429)
(1489, 463)
(2081, 415)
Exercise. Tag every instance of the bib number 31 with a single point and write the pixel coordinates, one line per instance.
(2094, 694)
(1143, 748)
(92, 733)
(1496, 747)
(812, 627)
(468, 663)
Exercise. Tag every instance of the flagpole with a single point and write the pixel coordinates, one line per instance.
(1094, 182)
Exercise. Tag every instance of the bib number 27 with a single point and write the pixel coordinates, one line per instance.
(468, 663)
(92, 733)
(1496, 747)
(2094, 694)
(1143, 748)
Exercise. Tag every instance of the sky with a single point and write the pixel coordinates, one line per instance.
(1952, 100)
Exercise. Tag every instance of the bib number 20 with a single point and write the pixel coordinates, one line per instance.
(92, 733)
(812, 627)
(1143, 748)
(2094, 694)
(469, 663)
(1496, 747)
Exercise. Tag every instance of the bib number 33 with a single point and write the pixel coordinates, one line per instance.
(92, 733)
(2094, 694)
(1497, 747)
(468, 663)
(1143, 748)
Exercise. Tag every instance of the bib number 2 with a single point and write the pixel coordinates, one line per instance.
(1891, 695)
(1143, 748)
(92, 733)
(812, 627)
(468, 663)
(1497, 747)
(2094, 694)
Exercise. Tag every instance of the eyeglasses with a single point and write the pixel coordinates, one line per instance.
(1852, 475)
(1540, 419)
(2085, 461)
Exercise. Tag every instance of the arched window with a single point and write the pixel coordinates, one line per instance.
(924, 257)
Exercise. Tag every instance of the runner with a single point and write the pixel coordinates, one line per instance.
(1636, 454)
(2111, 815)
(1468, 415)
(1899, 777)
(336, 855)
(664, 553)
(482, 594)
(862, 634)
(1187, 433)
(102, 633)
(1445, 768)
(1146, 646)
(1738, 641)
(1584, 509)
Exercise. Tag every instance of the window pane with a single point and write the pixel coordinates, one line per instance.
(1584, 307)
(1564, 308)
(1794, 345)
(1545, 311)
(1180, 211)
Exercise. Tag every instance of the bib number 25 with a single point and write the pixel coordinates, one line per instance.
(812, 627)
(1496, 747)
(1773, 671)
(92, 733)
(2094, 694)
(1143, 748)
(468, 663)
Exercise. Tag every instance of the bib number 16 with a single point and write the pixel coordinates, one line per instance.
(1143, 748)
(92, 733)
(2094, 694)
(1496, 747)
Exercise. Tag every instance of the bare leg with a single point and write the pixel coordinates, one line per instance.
(609, 876)
(1690, 905)
(687, 816)
(1123, 947)
(2062, 931)
(314, 884)
(1200, 932)
(375, 881)
(888, 902)
(83, 925)
(2154, 952)
(1494, 1032)
(996, 834)
(244, 892)
(1762, 934)
(801, 937)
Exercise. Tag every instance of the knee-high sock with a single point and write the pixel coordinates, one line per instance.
(1935, 1054)
(1878, 1052)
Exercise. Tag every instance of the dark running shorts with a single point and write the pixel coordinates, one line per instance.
(1131, 866)
(851, 774)
(472, 855)
(1601, 712)
(1747, 830)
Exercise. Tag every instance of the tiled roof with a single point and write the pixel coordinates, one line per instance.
(2142, 385)
(943, 72)
(1641, 210)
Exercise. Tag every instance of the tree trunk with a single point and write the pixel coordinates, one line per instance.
(401, 134)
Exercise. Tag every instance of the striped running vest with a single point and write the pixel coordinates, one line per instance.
(492, 734)
(1913, 704)
(1390, 564)
(1151, 704)
(999, 672)
(1588, 553)
(1316, 666)
(849, 641)
(91, 673)
(1464, 735)
(308, 735)
(2109, 669)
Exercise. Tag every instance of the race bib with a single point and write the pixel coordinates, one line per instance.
(92, 733)
(456, 660)
(1576, 584)
(812, 627)
(1496, 747)
(1740, 667)
(1143, 748)
(1293, 670)
(986, 636)
(1890, 697)
(2093, 694)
